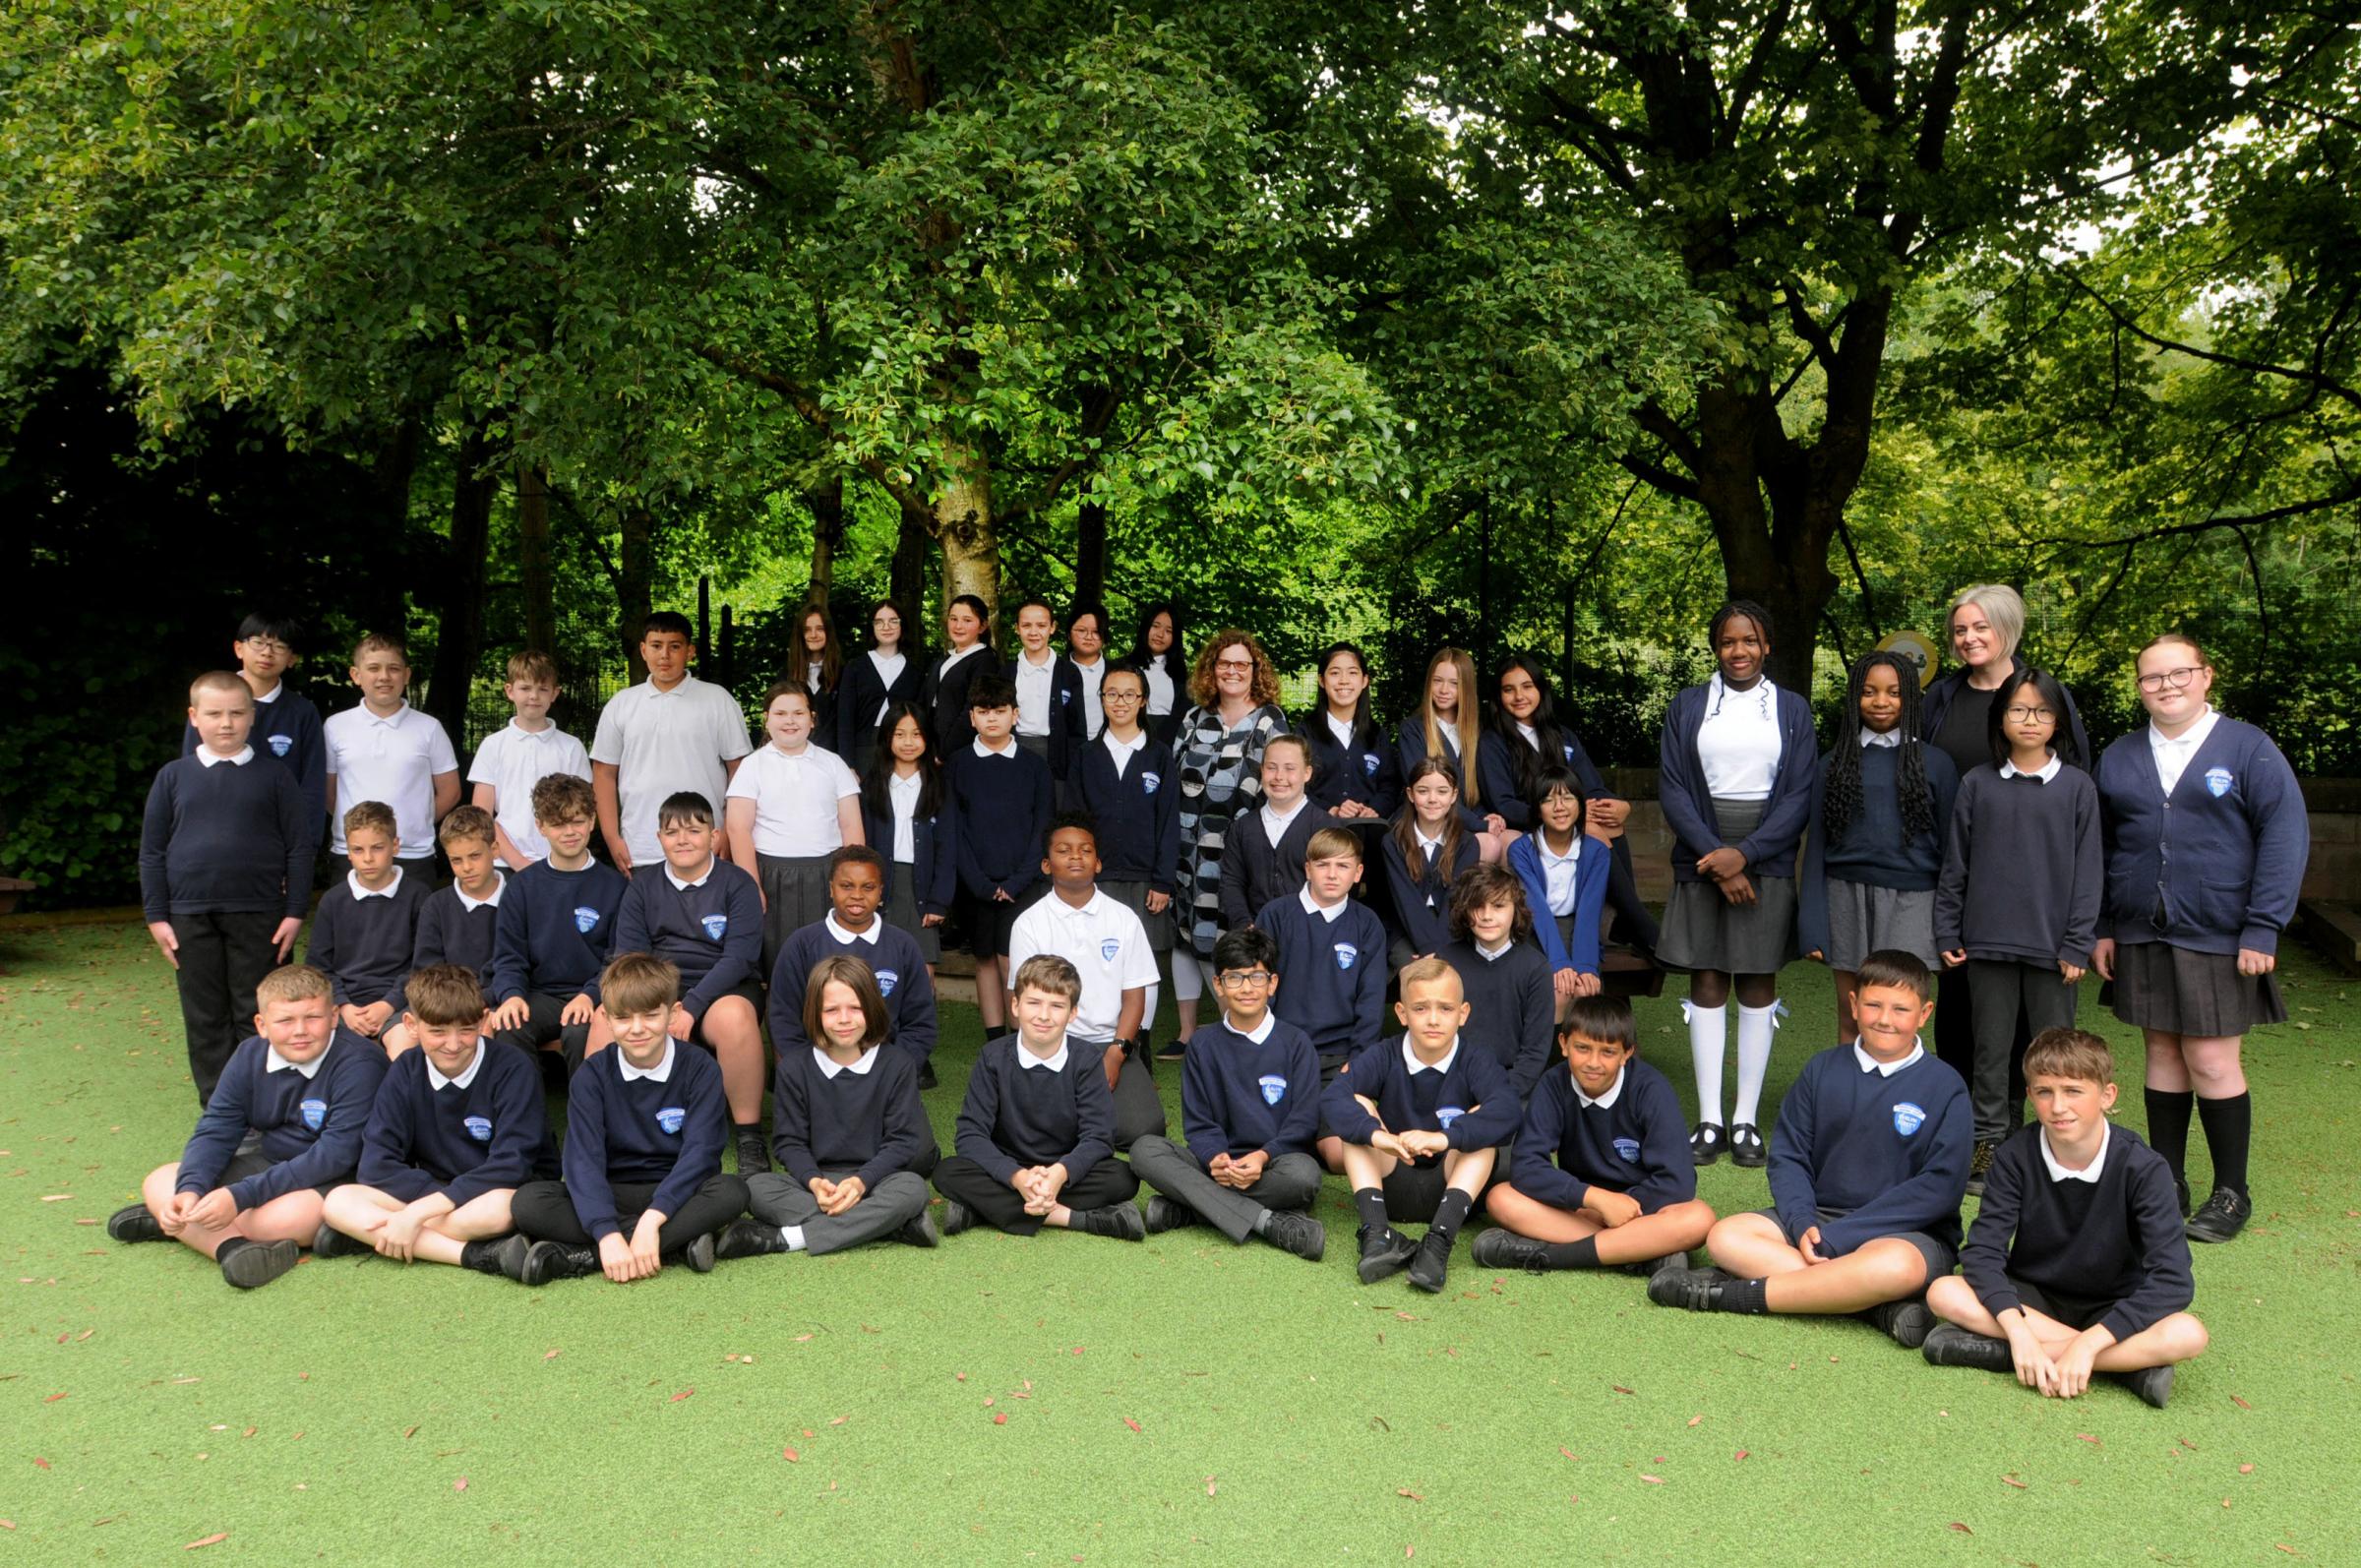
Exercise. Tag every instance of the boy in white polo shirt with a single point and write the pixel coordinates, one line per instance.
(388, 750)
(1107, 945)
(512, 761)
(671, 731)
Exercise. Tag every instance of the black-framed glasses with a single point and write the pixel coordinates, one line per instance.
(1245, 979)
(2030, 716)
(2174, 678)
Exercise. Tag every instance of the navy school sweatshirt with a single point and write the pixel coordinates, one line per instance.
(1637, 1146)
(1890, 1154)
(462, 1141)
(871, 1122)
(640, 1131)
(1137, 816)
(1331, 973)
(1470, 1101)
(450, 932)
(1000, 806)
(1875, 850)
(1511, 1008)
(1017, 1117)
(893, 958)
(2118, 1240)
(287, 729)
(229, 839)
(365, 943)
(2021, 878)
(310, 1128)
(712, 932)
(556, 930)
(1239, 1096)
(1256, 871)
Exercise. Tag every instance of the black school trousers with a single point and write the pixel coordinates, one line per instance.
(223, 958)
(544, 1211)
(997, 1203)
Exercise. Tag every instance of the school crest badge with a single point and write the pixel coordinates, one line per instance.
(2217, 781)
(716, 925)
(1149, 781)
(1347, 956)
(887, 978)
(672, 1119)
(1063, 697)
(1446, 1114)
(584, 917)
(1628, 1148)
(1369, 763)
(315, 1113)
(479, 1129)
(1274, 1088)
(281, 745)
(1908, 1118)
(1569, 748)
(1109, 948)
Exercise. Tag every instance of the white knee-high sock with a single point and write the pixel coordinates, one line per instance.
(1705, 1027)
(1755, 1033)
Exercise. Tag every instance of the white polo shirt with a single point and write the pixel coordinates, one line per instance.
(392, 759)
(663, 742)
(1036, 690)
(512, 760)
(1103, 940)
(794, 800)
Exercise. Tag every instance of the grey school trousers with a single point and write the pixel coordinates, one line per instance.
(1291, 1181)
(1996, 988)
(776, 1198)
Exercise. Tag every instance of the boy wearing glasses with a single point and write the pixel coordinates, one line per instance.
(1249, 1107)
(286, 726)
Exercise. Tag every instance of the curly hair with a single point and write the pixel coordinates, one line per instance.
(1264, 690)
(1841, 806)
(1479, 887)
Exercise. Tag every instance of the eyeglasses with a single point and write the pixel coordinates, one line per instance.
(1245, 980)
(1233, 665)
(2030, 715)
(2174, 678)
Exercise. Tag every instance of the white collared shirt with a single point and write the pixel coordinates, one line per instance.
(1159, 689)
(2089, 1173)
(352, 882)
(1559, 873)
(1428, 848)
(2044, 773)
(661, 743)
(394, 758)
(1259, 1032)
(466, 1076)
(1036, 690)
(1093, 715)
(796, 797)
(985, 751)
(904, 793)
(1106, 943)
(500, 885)
(1606, 1101)
(273, 1062)
(1342, 729)
(271, 695)
(513, 759)
(2173, 754)
(1410, 1057)
(1275, 824)
(206, 757)
(1532, 737)
(1739, 742)
(1124, 751)
(1026, 1061)
(877, 923)
(1312, 906)
(1886, 1069)
(954, 656)
(890, 667)
(661, 1072)
(1888, 737)
(1490, 956)
(859, 1066)
(699, 881)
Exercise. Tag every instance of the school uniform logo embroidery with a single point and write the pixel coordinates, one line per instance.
(1109, 948)
(887, 978)
(1908, 1118)
(584, 917)
(1628, 1148)
(1149, 781)
(1569, 751)
(1446, 1114)
(1347, 956)
(2217, 780)
(1274, 1088)
(1369, 763)
(315, 1113)
(714, 925)
(479, 1129)
(281, 745)
(672, 1119)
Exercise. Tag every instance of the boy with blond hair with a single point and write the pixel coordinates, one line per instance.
(521, 755)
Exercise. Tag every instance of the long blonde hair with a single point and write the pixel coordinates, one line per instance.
(1465, 724)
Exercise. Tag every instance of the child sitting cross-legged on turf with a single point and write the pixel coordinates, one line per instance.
(1601, 1174)
(1036, 1134)
(1422, 1122)
(456, 1128)
(644, 1123)
(1868, 1164)
(301, 1088)
(846, 1125)
(1250, 1108)
(2077, 1260)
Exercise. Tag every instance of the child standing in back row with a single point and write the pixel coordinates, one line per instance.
(792, 806)
(514, 759)
(388, 750)
(286, 726)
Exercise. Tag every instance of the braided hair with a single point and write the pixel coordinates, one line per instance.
(1841, 786)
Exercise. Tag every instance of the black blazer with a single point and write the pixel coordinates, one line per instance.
(946, 696)
(934, 867)
(860, 694)
(1422, 913)
(1068, 713)
(1253, 873)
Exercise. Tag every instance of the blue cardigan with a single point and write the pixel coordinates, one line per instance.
(934, 859)
(2222, 862)
(1590, 897)
(1690, 809)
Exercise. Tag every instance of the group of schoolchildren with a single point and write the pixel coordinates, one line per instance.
(390, 1098)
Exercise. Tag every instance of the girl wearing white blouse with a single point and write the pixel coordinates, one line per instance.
(791, 805)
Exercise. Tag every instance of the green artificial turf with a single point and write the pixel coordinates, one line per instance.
(1180, 1400)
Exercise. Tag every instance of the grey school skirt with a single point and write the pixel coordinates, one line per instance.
(1704, 931)
(2183, 992)
(795, 895)
(1133, 897)
(1863, 918)
(903, 913)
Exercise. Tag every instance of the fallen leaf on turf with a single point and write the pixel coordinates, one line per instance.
(57, 1197)
(866, 1329)
(2276, 1545)
(549, 1356)
(808, 1432)
(1740, 1454)
(459, 1485)
(1694, 1419)
(250, 1431)
(1570, 1454)
(408, 1431)
(8, 1524)
(2088, 1439)
(1410, 1551)
(1619, 1388)
(2241, 1404)
(990, 1403)
(800, 1338)
(1378, 1424)
(213, 1540)
(41, 1463)
(53, 1399)
(959, 1377)
(1136, 1427)
(1404, 1491)
(840, 1421)
(746, 1361)
(682, 1395)
(1210, 1487)
(1001, 1419)
(789, 1455)
(2011, 1481)
(1653, 1480)
(1961, 1528)
(1077, 1349)
(2246, 1469)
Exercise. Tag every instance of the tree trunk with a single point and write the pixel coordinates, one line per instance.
(1090, 552)
(532, 559)
(635, 589)
(971, 551)
(828, 536)
(907, 584)
(390, 472)
(460, 633)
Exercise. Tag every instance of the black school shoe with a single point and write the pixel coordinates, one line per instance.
(754, 1154)
(331, 1242)
(1298, 1233)
(1908, 1322)
(2221, 1216)
(919, 1232)
(2153, 1384)
(249, 1265)
(1172, 1050)
(1696, 1289)
(1497, 1249)
(132, 1223)
(749, 1238)
(1431, 1265)
(544, 1261)
(1746, 1146)
(1949, 1345)
(503, 1256)
(1979, 1165)
(697, 1254)
(1121, 1221)
(1383, 1253)
(1650, 1268)
(1168, 1214)
(1707, 1142)
(926, 1074)
(2180, 1188)
(956, 1217)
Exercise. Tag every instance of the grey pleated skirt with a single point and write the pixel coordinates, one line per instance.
(2182, 991)
(1862, 918)
(1133, 897)
(1704, 931)
(903, 913)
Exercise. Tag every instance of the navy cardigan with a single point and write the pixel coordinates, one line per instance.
(1365, 771)
(2223, 864)
(933, 861)
(1689, 807)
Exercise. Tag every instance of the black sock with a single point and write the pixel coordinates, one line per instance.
(2229, 1126)
(2168, 1126)
(1450, 1215)
(1370, 1201)
(743, 1130)
(230, 1244)
(1581, 1254)
(1745, 1295)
